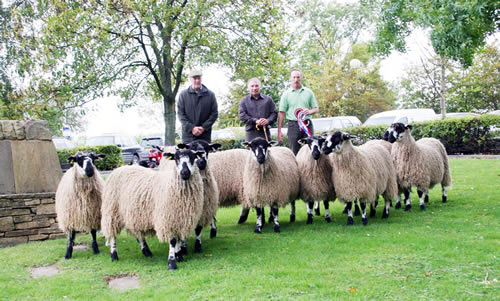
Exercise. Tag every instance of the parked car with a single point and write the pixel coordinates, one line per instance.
(148, 142)
(405, 116)
(63, 143)
(223, 134)
(132, 152)
(338, 122)
(461, 114)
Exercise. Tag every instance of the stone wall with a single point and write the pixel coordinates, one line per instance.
(28, 217)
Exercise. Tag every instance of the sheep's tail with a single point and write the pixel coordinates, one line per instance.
(111, 221)
(447, 173)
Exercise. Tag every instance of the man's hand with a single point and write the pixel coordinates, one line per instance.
(197, 130)
(262, 122)
(305, 112)
(280, 136)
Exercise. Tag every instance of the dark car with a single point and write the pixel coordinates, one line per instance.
(132, 152)
(148, 142)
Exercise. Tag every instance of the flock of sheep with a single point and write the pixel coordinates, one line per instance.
(189, 187)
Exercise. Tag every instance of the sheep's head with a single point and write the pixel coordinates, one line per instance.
(260, 148)
(396, 132)
(315, 143)
(334, 142)
(184, 160)
(201, 146)
(84, 163)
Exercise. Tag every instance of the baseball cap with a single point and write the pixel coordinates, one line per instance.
(195, 72)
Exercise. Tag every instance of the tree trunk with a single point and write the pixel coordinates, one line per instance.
(169, 117)
(443, 90)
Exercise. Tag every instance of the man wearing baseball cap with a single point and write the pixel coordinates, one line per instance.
(197, 110)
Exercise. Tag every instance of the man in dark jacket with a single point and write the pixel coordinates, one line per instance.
(197, 110)
(257, 111)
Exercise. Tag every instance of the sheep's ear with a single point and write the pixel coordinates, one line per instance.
(324, 135)
(386, 136)
(71, 159)
(182, 146)
(199, 154)
(302, 141)
(100, 156)
(346, 136)
(245, 144)
(214, 147)
(409, 126)
(273, 143)
(169, 156)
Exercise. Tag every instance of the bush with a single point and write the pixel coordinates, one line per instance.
(113, 154)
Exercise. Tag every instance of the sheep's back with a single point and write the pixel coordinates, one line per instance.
(378, 153)
(227, 168)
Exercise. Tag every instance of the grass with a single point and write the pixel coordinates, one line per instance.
(444, 252)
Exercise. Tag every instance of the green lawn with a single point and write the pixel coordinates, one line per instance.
(444, 252)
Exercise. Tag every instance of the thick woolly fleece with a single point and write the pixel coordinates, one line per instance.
(144, 201)
(363, 173)
(78, 201)
(227, 167)
(422, 164)
(276, 181)
(210, 196)
(315, 176)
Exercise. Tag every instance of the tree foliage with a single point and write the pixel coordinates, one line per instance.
(458, 27)
(87, 49)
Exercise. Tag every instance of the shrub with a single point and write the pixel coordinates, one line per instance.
(113, 154)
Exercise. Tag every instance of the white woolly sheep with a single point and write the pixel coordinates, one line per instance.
(361, 173)
(315, 170)
(422, 164)
(78, 199)
(270, 177)
(168, 202)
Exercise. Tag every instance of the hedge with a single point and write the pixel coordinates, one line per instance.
(113, 154)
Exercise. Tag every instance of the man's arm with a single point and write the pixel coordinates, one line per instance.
(311, 111)
(214, 113)
(281, 117)
(272, 117)
(181, 113)
(243, 114)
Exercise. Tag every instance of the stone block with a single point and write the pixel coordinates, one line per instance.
(6, 223)
(32, 202)
(7, 183)
(10, 241)
(38, 237)
(42, 172)
(48, 201)
(34, 224)
(6, 203)
(58, 235)
(46, 209)
(37, 130)
(8, 130)
(23, 219)
(21, 233)
(14, 211)
(19, 129)
(50, 230)
(49, 217)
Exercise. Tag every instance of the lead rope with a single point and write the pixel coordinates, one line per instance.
(265, 132)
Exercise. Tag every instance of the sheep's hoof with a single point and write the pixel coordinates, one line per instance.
(197, 246)
(345, 210)
(69, 253)
(271, 219)
(171, 264)
(179, 257)
(398, 205)
(95, 247)
(317, 212)
(309, 219)
(422, 207)
(213, 233)
(365, 221)
(258, 230)
(328, 219)
(426, 199)
(385, 214)
(147, 252)
(114, 256)
(184, 250)
(243, 218)
(277, 228)
(350, 221)
(373, 213)
(292, 218)
(444, 199)
(407, 207)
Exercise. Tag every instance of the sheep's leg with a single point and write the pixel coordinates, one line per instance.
(271, 218)
(373, 211)
(345, 209)
(213, 228)
(113, 250)
(317, 212)
(172, 265)
(426, 197)
(144, 246)
(197, 242)
(398, 201)
(260, 217)
(95, 247)
(357, 212)
(292, 213)
(407, 199)
(350, 219)
(243, 215)
(364, 219)
(178, 250)
(421, 199)
(445, 196)
(71, 242)
(310, 212)
(184, 248)
(385, 213)
(275, 214)
(327, 211)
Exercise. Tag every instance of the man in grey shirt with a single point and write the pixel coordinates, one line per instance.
(197, 110)
(257, 111)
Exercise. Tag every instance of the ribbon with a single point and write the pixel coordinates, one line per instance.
(301, 121)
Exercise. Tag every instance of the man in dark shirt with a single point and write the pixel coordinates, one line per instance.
(197, 110)
(257, 111)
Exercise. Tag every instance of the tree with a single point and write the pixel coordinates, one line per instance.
(141, 48)
(458, 27)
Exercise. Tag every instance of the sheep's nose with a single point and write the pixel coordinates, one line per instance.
(89, 170)
(315, 154)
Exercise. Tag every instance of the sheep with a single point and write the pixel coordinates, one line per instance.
(360, 173)
(78, 199)
(270, 177)
(423, 164)
(168, 202)
(315, 175)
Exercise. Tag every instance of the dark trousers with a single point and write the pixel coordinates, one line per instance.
(295, 133)
(252, 134)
